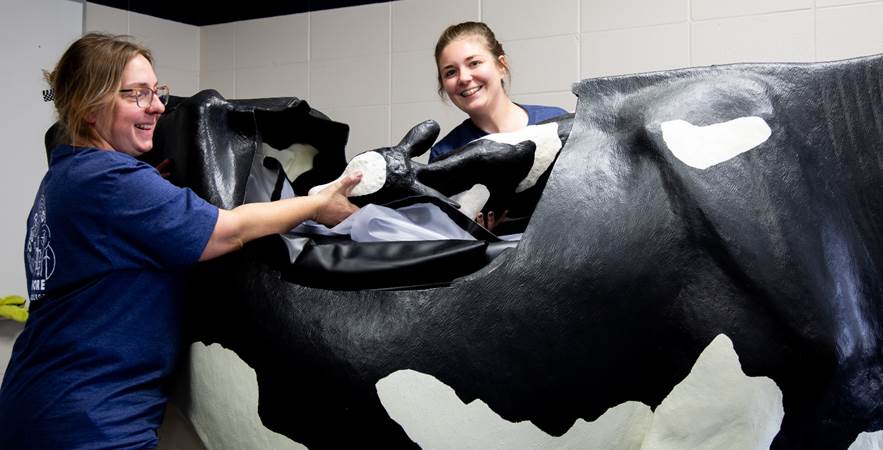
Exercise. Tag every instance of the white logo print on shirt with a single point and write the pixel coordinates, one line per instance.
(40, 256)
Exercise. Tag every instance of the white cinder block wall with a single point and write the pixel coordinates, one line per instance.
(372, 66)
(175, 46)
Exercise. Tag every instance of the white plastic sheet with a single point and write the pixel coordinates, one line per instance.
(375, 223)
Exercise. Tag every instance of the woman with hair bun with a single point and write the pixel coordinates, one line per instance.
(472, 73)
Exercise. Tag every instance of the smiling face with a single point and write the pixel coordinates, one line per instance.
(471, 76)
(123, 125)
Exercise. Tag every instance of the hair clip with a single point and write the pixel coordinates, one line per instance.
(48, 95)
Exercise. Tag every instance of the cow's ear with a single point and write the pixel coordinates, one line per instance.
(420, 138)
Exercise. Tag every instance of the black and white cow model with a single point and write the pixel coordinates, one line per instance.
(741, 200)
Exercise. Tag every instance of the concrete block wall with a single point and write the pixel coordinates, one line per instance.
(175, 46)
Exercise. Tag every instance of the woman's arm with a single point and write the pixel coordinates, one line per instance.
(253, 220)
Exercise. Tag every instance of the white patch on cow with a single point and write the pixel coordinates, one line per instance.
(716, 406)
(473, 200)
(548, 144)
(373, 167)
(295, 160)
(868, 441)
(703, 147)
(223, 402)
(434, 417)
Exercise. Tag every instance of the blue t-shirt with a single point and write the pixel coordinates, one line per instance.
(467, 132)
(107, 243)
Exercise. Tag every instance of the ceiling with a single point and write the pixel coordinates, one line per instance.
(210, 13)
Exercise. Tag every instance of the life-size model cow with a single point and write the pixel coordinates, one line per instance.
(741, 200)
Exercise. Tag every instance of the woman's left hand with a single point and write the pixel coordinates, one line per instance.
(335, 206)
(163, 167)
(490, 221)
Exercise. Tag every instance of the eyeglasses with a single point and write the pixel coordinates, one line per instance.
(144, 95)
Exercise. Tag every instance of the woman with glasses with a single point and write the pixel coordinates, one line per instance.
(107, 242)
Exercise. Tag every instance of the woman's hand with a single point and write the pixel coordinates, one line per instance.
(164, 168)
(333, 203)
(250, 221)
(490, 221)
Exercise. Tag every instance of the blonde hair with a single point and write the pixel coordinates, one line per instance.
(86, 78)
(469, 29)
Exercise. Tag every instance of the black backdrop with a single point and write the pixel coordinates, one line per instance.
(201, 13)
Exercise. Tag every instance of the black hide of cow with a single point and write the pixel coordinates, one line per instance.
(631, 264)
